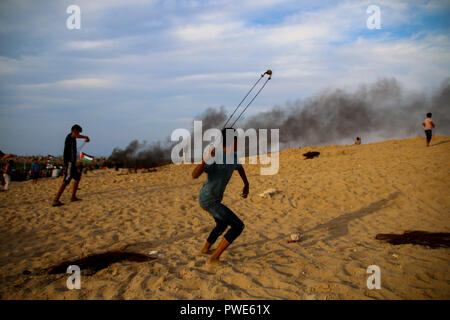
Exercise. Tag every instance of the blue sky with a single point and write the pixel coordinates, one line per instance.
(137, 69)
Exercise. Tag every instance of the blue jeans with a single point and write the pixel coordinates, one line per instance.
(224, 217)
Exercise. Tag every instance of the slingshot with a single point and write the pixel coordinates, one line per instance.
(81, 147)
(269, 73)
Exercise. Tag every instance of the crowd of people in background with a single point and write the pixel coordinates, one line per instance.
(14, 168)
(33, 168)
(10, 170)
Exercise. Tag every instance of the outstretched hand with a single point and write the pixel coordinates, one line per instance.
(210, 153)
(87, 139)
(245, 191)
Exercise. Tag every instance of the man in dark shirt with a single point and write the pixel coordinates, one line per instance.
(70, 160)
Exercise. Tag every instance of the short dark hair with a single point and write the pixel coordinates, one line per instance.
(429, 115)
(224, 136)
(77, 127)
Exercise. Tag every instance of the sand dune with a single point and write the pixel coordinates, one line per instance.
(338, 202)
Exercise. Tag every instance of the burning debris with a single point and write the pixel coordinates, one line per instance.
(424, 238)
(311, 154)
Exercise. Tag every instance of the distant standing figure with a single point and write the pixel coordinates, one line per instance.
(70, 164)
(8, 174)
(429, 126)
(34, 171)
(358, 140)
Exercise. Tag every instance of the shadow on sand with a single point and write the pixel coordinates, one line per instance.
(333, 229)
(96, 262)
(338, 227)
(442, 142)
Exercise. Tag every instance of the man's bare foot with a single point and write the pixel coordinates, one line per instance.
(75, 199)
(219, 250)
(206, 248)
(206, 251)
(57, 203)
(214, 262)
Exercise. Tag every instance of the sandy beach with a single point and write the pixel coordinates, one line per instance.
(338, 202)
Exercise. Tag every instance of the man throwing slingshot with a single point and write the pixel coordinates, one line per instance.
(211, 196)
(70, 160)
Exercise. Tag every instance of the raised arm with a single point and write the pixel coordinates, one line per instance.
(198, 170)
(79, 136)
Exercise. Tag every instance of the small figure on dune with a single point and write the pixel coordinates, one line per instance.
(358, 141)
(429, 126)
(311, 154)
(211, 196)
(70, 164)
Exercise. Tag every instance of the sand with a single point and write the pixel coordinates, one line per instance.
(338, 202)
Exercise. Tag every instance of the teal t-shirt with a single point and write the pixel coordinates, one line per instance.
(217, 180)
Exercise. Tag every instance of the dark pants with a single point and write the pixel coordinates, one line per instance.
(428, 133)
(224, 217)
(71, 172)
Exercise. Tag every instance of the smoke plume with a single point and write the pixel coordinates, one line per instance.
(141, 155)
(383, 110)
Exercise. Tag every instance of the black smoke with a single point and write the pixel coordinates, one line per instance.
(141, 155)
(213, 118)
(383, 110)
(380, 111)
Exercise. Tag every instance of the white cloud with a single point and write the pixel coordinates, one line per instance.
(207, 31)
(8, 66)
(104, 5)
(86, 45)
(74, 83)
(216, 76)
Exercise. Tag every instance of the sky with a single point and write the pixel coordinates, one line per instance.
(138, 69)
